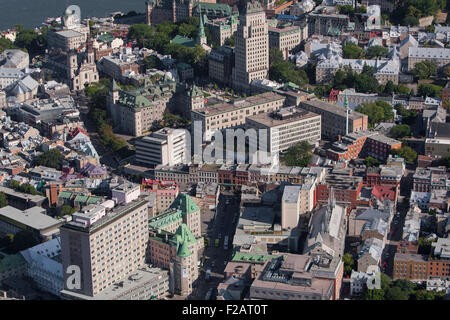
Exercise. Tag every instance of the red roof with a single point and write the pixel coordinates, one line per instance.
(75, 132)
(383, 193)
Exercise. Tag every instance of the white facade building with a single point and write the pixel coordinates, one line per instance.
(166, 146)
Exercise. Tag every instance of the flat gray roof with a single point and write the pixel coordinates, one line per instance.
(32, 217)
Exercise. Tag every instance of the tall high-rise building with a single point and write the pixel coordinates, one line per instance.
(251, 46)
(107, 245)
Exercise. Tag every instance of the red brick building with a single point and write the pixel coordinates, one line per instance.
(346, 190)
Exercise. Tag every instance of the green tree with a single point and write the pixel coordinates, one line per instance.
(3, 200)
(374, 294)
(407, 153)
(425, 69)
(298, 154)
(345, 9)
(396, 293)
(153, 62)
(445, 161)
(352, 51)
(372, 162)
(230, 41)
(51, 158)
(349, 263)
(13, 184)
(425, 246)
(376, 52)
(402, 89)
(430, 90)
(389, 88)
(400, 131)
(430, 28)
(67, 210)
(376, 111)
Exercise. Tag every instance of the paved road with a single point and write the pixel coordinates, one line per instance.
(223, 224)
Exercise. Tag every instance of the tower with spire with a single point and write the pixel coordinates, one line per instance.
(201, 37)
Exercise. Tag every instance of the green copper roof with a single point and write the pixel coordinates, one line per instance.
(183, 250)
(185, 203)
(64, 195)
(201, 29)
(186, 42)
(195, 91)
(183, 234)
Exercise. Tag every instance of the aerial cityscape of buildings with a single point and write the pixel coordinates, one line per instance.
(227, 150)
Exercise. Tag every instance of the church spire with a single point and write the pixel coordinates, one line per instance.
(201, 37)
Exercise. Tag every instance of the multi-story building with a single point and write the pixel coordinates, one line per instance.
(66, 40)
(379, 146)
(334, 118)
(410, 266)
(106, 245)
(440, 56)
(119, 65)
(325, 243)
(228, 115)
(14, 59)
(135, 111)
(222, 28)
(175, 243)
(251, 46)
(166, 147)
(289, 277)
(161, 194)
(345, 189)
(220, 65)
(285, 38)
(175, 11)
(286, 127)
(322, 23)
(385, 70)
(126, 192)
(34, 219)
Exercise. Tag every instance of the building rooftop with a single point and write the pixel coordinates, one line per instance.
(33, 217)
(283, 116)
(240, 103)
(328, 107)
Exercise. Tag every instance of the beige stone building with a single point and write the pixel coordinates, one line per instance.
(228, 115)
(220, 65)
(440, 56)
(134, 112)
(107, 246)
(285, 38)
(333, 118)
(251, 47)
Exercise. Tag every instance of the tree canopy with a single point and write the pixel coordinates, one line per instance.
(377, 112)
(405, 152)
(425, 69)
(285, 71)
(298, 155)
(376, 52)
(430, 90)
(352, 51)
(372, 162)
(51, 158)
(3, 200)
(400, 131)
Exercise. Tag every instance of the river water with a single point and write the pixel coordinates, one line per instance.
(32, 13)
